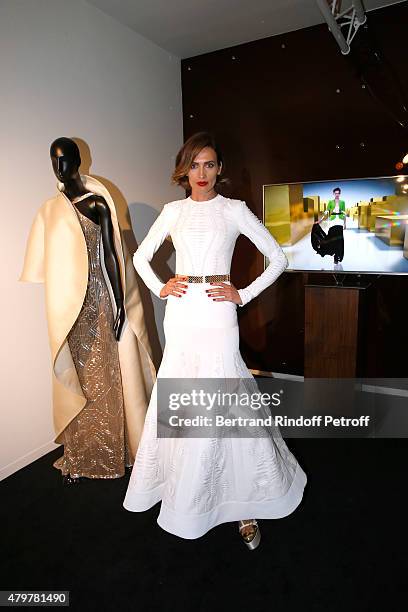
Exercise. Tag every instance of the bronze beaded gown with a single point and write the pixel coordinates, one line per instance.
(95, 441)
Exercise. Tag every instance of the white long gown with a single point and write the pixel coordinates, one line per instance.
(203, 482)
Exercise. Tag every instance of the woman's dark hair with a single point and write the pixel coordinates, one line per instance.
(336, 189)
(188, 152)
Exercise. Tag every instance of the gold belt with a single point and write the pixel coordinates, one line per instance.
(213, 278)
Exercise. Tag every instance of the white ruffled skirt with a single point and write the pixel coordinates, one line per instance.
(203, 482)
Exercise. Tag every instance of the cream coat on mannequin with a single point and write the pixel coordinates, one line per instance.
(56, 255)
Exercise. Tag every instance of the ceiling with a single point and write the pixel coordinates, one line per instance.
(192, 27)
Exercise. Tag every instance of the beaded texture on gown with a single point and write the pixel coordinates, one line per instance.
(95, 440)
(203, 482)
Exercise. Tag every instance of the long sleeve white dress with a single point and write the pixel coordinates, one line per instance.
(203, 482)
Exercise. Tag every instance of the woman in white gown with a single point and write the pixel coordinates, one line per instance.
(203, 482)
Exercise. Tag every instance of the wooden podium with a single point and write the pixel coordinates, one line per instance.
(335, 325)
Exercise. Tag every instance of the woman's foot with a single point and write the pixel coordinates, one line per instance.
(250, 532)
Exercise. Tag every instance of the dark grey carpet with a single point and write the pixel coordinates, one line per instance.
(334, 553)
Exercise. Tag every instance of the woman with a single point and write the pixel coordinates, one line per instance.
(334, 217)
(203, 482)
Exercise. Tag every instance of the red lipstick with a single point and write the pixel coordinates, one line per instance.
(202, 183)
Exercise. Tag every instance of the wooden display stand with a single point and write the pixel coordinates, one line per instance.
(334, 331)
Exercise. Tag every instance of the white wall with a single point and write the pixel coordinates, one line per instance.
(67, 69)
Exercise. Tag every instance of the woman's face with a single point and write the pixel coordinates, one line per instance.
(203, 171)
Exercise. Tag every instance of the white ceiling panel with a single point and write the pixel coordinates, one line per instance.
(192, 27)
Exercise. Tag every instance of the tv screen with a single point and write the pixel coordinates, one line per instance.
(353, 226)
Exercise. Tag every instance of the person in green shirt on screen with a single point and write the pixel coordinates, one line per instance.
(337, 208)
(333, 242)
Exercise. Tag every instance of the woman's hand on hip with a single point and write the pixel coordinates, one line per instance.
(174, 286)
(223, 292)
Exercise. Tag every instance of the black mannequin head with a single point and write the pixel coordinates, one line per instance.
(66, 159)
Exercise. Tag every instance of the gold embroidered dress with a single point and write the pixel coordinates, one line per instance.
(61, 253)
(95, 441)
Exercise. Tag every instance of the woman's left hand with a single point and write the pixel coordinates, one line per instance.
(223, 292)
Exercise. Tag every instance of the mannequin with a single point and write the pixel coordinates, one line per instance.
(66, 160)
(102, 367)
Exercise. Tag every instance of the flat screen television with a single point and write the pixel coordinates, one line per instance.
(351, 226)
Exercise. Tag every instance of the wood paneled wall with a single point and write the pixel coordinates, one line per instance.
(292, 108)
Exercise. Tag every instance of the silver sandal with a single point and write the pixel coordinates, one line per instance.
(251, 540)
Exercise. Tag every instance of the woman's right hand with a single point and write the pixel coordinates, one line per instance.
(174, 286)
